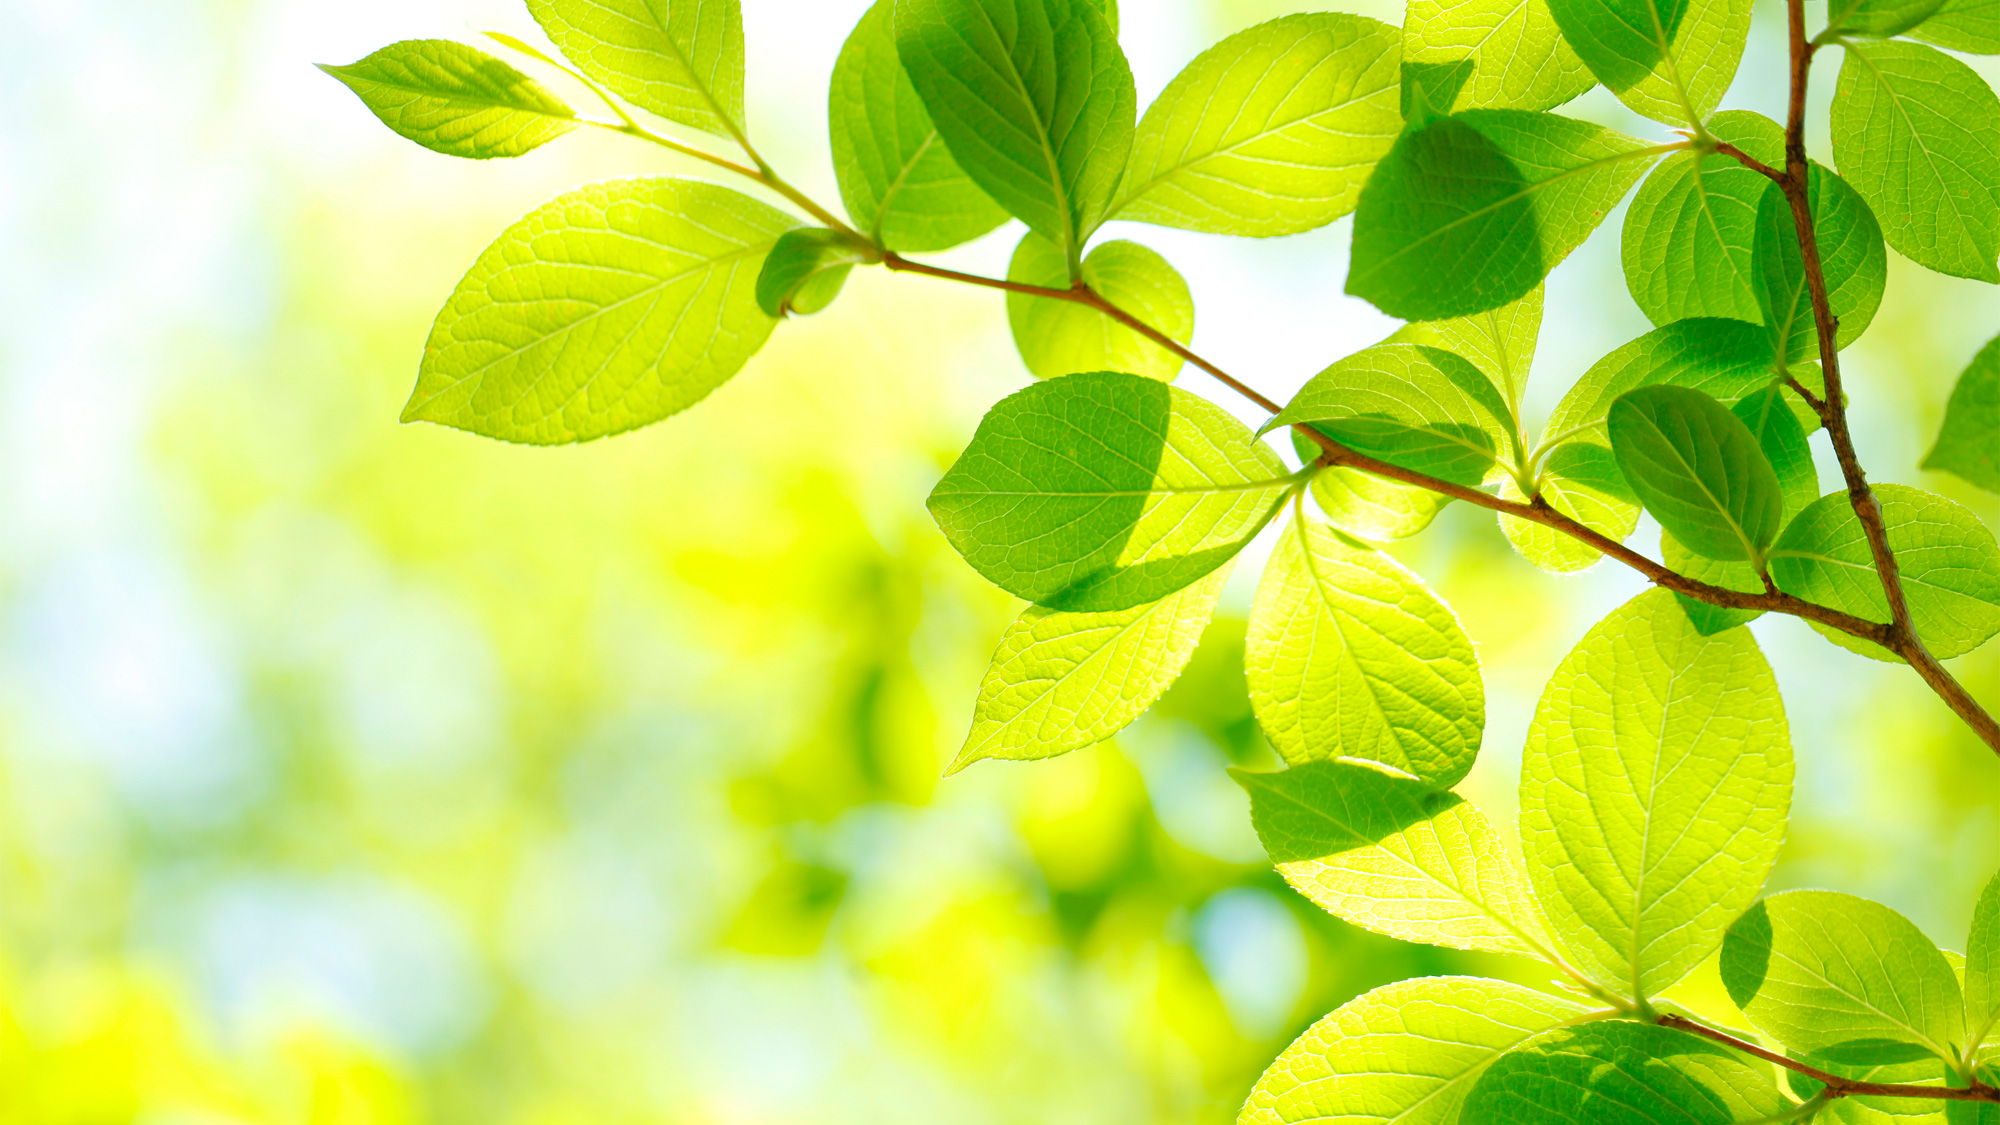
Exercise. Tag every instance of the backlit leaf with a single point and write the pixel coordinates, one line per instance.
(1106, 490)
(1350, 657)
(1689, 232)
(804, 271)
(681, 59)
(1415, 406)
(608, 308)
(1726, 359)
(1877, 17)
(1581, 481)
(1654, 791)
(1271, 131)
(1699, 470)
(1964, 25)
(1668, 59)
(1968, 444)
(1855, 264)
(1499, 54)
(452, 99)
(1058, 337)
(1982, 970)
(1621, 1073)
(1500, 342)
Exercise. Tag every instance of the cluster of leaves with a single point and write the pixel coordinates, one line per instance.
(1657, 778)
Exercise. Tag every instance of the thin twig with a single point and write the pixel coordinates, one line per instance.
(1836, 1085)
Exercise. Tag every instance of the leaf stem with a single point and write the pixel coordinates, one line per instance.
(1836, 1086)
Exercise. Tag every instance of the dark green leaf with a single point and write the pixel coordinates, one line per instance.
(1034, 100)
(1057, 337)
(1418, 407)
(1619, 1073)
(1727, 359)
(611, 307)
(1106, 490)
(1688, 234)
(1698, 469)
(1855, 264)
(1918, 135)
(897, 178)
(804, 271)
(1877, 17)
(1668, 59)
(1471, 211)
(452, 99)
(1271, 131)
(683, 61)
(1969, 442)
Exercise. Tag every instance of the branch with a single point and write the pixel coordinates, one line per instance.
(1536, 511)
(1837, 1086)
(1902, 635)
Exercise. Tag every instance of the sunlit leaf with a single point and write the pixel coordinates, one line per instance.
(610, 307)
(1964, 25)
(1654, 790)
(1581, 481)
(1852, 258)
(1058, 337)
(1106, 490)
(1415, 406)
(1350, 657)
(1877, 17)
(804, 271)
(1968, 444)
(1491, 54)
(1982, 970)
(1620, 1073)
(1500, 342)
(452, 99)
(1698, 469)
(1726, 359)
(682, 60)
(1668, 59)
(1689, 232)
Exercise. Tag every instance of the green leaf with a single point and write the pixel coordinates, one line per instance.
(1471, 211)
(804, 271)
(1852, 257)
(1063, 681)
(1373, 508)
(1034, 100)
(1654, 790)
(1769, 416)
(1689, 232)
(1508, 53)
(1699, 470)
(1406, 1053)
(1059, 337)
(1918, 135)
(452, 99)
(1964, 25)
(1968, 443)
(1949, 562)
(608, 308)
(1620, 1073)
(1982, 970)
(1350, 657)
(1839, 976)
(1500, 342)
(1271, 131)
(1727, 359)
(1418, 407)
(897, 178)
(1581, 481)
(681, 59)
(1395, 856)
(1925, 1071)
(1877, 17)
(1668, 59)
(1106, 490)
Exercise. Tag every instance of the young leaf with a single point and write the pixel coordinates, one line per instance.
(1372, 508)
(1964, 25)
(1500, 342)
(452, 99)
(608, 308)
(1698, 469)
(1950, 567)
(1842, 977)
(1688, 234)
(1668, 59)
(681, 59)
(1654, 790)
(1271, 131)
(1034, 99)
(1982, 971)
(1406, 1053)
(1851, 255)
(1968, 443)
(1411, 405)
(1063, 681)
(897, 178)
(1471, 211)
(1727, 359)
(1395, 856)
(1918, 135)
(1351, 658)
(1581, 481)
(1620, 1073)
(1877, 17)
(1509, 52)
(1106, 490)
(804, 271)
(1059, 337)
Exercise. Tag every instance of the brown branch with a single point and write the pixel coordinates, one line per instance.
(1750, 162)
(1836, 1085)
(1795, 183)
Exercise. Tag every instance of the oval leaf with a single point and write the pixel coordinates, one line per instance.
(1727, 359)
(1498, 54)
(1982, 971)
(682, 60)
(452, 99)
(1654, 790)
(1851, 253)
(1619, 1073)
(1699, 470)
(1271, 131)
(1105, 490)
(1968, 444)
(1668, 59)
(804, 271)
(609, 308)
(1687, 245)
(1415, 406)
(1350, 657)
(1060, 337)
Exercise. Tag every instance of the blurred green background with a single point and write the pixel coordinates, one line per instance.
(355, 772)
